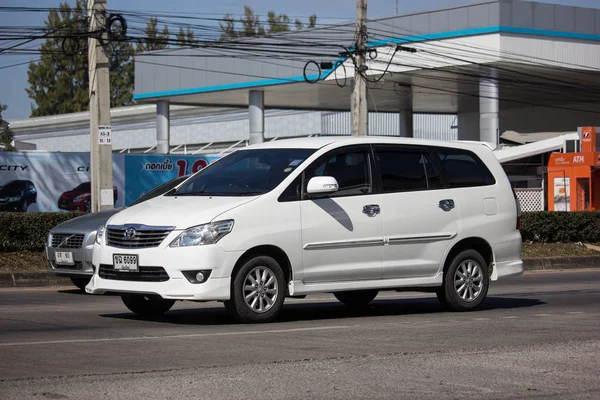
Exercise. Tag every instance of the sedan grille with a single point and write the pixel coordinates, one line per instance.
(67, 240)
(145, 274)
(118, 237)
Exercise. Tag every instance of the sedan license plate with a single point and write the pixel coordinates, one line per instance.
(64, 258)
(125, 262)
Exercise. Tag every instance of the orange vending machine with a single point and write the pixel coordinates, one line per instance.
(574, 178)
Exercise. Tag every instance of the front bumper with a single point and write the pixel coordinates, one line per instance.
(10, 206)
(81, 256)
(71, 206)
(174, 261)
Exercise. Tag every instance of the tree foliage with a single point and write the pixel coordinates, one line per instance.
(59, 81)
(185, 38)
(153, 40)
(250, 25)
(6, 135)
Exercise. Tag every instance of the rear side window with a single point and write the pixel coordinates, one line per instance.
(462, 168)
(405, 170)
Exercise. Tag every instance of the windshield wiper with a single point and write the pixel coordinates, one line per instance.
(246, 194)
(197, 193)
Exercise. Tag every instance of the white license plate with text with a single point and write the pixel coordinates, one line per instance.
(64, 258)
(125, 262)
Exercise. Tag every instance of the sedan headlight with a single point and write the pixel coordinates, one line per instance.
(79, 198)
(203, 234)
(100, 234)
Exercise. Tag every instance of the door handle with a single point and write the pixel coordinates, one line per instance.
(446, 204)
(371, 210)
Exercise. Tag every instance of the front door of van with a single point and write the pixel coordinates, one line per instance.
(420, 218)
(342, 235)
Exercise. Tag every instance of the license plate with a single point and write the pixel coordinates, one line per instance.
(64, 258)
(125, 262)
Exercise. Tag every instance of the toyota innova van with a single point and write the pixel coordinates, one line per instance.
(348, 216)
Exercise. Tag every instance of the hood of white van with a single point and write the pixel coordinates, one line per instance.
(180, 212)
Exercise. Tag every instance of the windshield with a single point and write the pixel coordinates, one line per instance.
(160, 190)
(13, 187)
(244, 173)
(85, 187)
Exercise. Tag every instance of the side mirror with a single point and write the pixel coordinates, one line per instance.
(322, 184)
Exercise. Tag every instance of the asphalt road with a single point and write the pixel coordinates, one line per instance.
(538, 336)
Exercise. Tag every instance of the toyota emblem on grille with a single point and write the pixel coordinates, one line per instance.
(129, 233)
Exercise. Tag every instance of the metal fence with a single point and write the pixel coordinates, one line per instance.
(531, 199)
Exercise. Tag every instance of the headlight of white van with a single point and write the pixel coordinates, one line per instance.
(100, 235)
(203, 234)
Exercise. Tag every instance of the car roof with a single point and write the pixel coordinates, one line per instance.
(334, 141)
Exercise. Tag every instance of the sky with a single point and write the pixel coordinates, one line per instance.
(13, 81)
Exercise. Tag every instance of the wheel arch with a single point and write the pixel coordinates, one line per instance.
(478, 244)
(266, 250)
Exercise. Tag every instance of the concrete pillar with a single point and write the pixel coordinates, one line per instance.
(256, 110)
(489, 107)
(163, 123)
(406, 123)
(468, 126)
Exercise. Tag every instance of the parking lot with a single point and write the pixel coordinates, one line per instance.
(537, 337)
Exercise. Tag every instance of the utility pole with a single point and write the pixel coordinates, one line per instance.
(100, 128)
(359, 96)
(396, 7)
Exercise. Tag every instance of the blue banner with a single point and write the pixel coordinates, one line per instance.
(144, 172)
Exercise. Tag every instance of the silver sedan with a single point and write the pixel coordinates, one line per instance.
(70, 244)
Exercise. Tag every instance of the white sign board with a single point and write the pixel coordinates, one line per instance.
(104, 134)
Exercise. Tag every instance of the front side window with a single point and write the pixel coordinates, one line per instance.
(462, 168)
(351, 169)
(404, 170)
(244, 173)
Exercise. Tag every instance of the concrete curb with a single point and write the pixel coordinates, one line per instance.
(48, 279)
(32, 279)
(540, 264)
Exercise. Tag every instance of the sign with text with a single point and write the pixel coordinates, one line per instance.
(61, 181)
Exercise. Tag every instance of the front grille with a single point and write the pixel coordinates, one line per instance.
(78, 266)
(145, 274)
(67, 240)
(143, 238)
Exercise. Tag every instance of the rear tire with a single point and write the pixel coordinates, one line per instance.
(466, 282)
(257, 291)
(81, 282)
(147, 305)
(356, 298)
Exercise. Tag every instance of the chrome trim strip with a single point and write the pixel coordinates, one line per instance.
(420, 238)
(343, 245)
(141, 227)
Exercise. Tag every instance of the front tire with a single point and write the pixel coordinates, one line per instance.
(356, 298)
(81, 282)
(258, 291)
(466, 282)
(147, 305)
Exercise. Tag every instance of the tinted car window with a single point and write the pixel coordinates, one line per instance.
(404, 170)
(462, 168)
(85, 187)
(244, 173)
(352, 170)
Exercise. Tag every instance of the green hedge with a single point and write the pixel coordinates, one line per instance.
(28, 231)
(552, 227)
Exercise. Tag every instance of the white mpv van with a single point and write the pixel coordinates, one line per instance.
(348, 216)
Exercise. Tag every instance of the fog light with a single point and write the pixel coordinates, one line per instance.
(197, 276)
